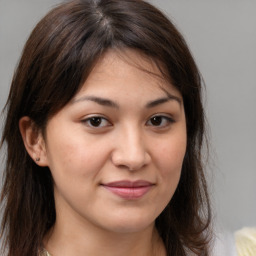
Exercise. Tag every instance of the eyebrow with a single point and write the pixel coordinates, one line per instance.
(110, 103)
(99, 100)
(157, 102)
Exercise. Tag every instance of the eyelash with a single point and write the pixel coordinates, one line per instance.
(99, 119)
(168, 120)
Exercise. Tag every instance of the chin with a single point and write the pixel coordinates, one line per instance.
(131, 224)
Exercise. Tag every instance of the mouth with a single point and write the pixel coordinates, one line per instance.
(129, 190)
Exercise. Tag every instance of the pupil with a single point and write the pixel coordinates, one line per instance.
(157, 120)
(95, 121)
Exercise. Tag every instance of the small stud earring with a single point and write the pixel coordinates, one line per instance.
(37, 159)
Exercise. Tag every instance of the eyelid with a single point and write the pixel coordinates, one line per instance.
(167, 117)
(89, 118)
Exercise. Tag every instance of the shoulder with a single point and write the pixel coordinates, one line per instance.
(224, 244)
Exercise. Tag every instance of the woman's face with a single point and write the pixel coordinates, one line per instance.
(116, 150)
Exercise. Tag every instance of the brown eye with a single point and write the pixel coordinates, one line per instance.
(160, 121)
(156, 120)
(96, 122)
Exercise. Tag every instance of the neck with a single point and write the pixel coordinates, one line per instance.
(65, 240)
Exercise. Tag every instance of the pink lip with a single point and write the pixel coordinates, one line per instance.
(129, 189)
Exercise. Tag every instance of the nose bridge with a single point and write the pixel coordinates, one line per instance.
(131, 151)
(134, 142)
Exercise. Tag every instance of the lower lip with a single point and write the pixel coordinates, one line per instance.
(129, 193)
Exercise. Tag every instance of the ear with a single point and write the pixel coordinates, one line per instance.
(33, 141)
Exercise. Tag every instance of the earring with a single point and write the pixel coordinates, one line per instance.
(37, 159)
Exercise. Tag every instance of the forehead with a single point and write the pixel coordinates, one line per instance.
(127, 68)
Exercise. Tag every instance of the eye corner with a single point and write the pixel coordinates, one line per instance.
(96, 122)
(160, 121)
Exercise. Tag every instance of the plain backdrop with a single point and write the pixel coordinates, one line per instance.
(222, 37)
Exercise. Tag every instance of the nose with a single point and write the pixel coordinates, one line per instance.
(130, 151)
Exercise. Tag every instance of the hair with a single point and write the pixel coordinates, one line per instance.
(57, 58)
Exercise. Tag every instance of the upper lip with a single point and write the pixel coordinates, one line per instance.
(128, 184)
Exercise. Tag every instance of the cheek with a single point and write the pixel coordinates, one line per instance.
(170, 160)
(171, 155)
(73, 156)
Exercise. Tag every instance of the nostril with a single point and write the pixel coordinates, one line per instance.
(130, 151)
(129, 162)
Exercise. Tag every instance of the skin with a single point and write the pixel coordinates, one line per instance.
(139, 133)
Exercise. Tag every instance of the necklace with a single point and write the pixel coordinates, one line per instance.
(45, 253)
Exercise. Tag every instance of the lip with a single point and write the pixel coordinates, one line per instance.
(129, 190)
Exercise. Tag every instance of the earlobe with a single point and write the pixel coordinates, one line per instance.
(33, 141)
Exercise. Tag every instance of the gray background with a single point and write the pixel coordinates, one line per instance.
(222, 37)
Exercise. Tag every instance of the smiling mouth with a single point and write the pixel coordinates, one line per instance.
(129, 190)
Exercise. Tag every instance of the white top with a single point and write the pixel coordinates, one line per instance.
(224, 245)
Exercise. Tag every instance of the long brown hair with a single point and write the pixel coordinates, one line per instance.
(57, 58)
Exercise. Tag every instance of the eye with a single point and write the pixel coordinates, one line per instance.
(96, 122)
(160, 121)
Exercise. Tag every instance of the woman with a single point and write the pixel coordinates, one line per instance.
(104, 128)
